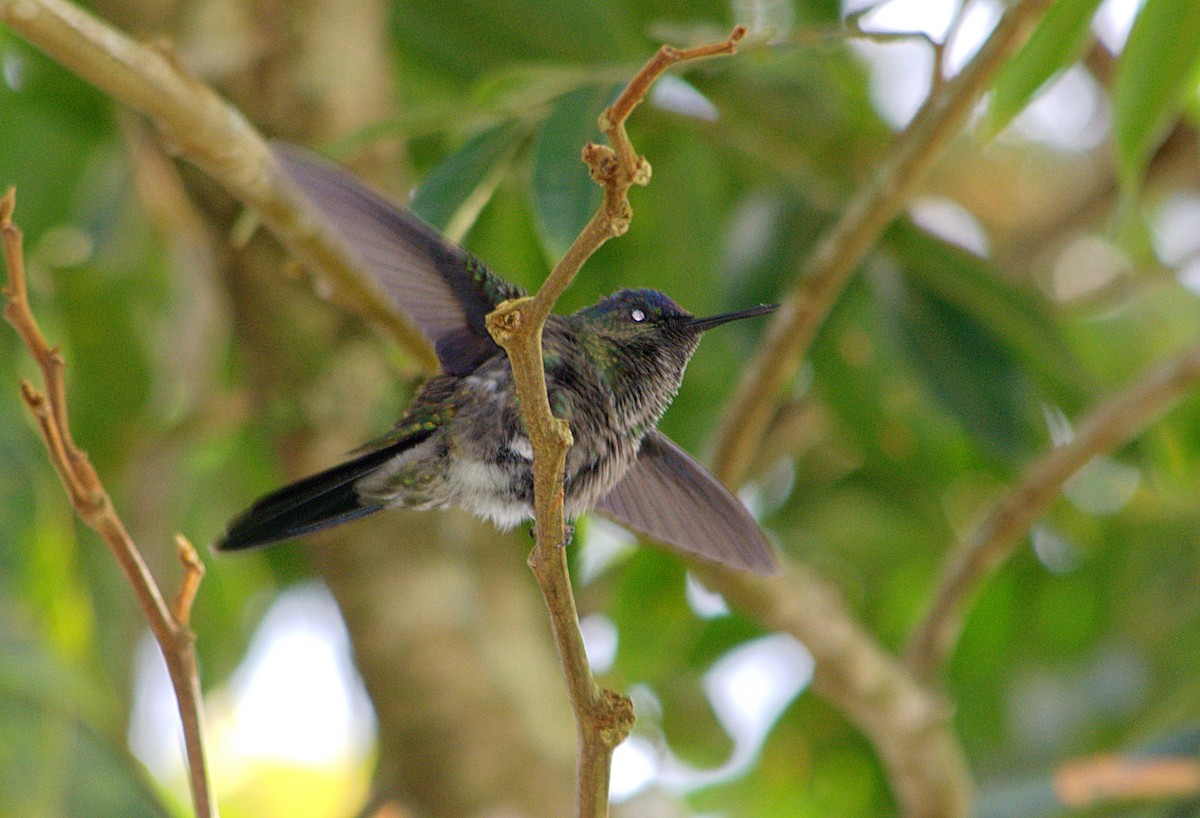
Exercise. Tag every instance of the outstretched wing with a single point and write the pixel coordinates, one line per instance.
(668, 496)
(443, 288)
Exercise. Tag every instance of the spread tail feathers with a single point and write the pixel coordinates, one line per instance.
(325, 499)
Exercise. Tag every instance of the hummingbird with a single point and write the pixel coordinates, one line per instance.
(611, 371)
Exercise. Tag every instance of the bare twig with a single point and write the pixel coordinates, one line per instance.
(204, 128)
(831, 264)
(181, 610)
(92, 504)
(1087, 783)
(604, 718)
(1108, 425)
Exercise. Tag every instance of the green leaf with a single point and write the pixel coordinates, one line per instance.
(106, 347)
(1152, 76)
(57, 758)
(451, 197)
(564, 195)
(649, 611)
(964, 366)
(1018, 317)
(689, 723)
(1059, 40)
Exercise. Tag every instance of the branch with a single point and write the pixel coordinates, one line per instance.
(1100, 785)
(910, 728)
(203, 128)
(603, 717)
(1109, 425)
(1111, 779)
(907, 724)
(93, 505)
(831, 264)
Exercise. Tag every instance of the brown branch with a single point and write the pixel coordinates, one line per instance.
(203, 128)
(91, 502)
(910, 728)
(831, 264)
(1109, 425)
(906, 723)
(193, 572)
(604, 718)
(1092, 782)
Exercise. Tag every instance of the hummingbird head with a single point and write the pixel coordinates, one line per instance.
(643, 340)
(649, 318)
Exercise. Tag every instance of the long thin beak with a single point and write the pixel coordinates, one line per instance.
(702, 324)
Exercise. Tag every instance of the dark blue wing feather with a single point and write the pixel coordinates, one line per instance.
(443, 288)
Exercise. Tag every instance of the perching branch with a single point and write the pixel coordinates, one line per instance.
(93, 505)
(832, 262)
(195, 121)
(604, 718)
(1108, 426)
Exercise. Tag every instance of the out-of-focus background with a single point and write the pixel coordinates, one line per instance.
(1051, 258)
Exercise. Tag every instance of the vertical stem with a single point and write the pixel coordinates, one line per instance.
(93, 505)
(604, 718)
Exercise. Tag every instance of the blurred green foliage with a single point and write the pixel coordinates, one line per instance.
(930, 385)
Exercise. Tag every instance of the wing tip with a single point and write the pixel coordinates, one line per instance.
(231, 541)
(760, 559)
(264, 534)
(246, 533)
(765, 564)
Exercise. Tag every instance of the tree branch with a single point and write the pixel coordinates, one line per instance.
(907, 724)
(91, 502)
(604, 718)
(195, 121)
(1107, 426)
(1102, 784)
(909, 727)
(1111, 779)
(831, 264)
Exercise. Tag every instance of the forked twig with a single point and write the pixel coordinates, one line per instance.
(91, 502)
(603, 717)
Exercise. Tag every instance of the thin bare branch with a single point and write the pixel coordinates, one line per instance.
(203, 128)
(834, 259)
(1096, 781)
(92, 504)
(193, 572)
(1109, 425)
(604, 718)
(617, 167)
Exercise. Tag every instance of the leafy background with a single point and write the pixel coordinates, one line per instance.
(1051, 257)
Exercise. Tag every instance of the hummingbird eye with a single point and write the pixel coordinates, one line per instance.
(637, 315)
